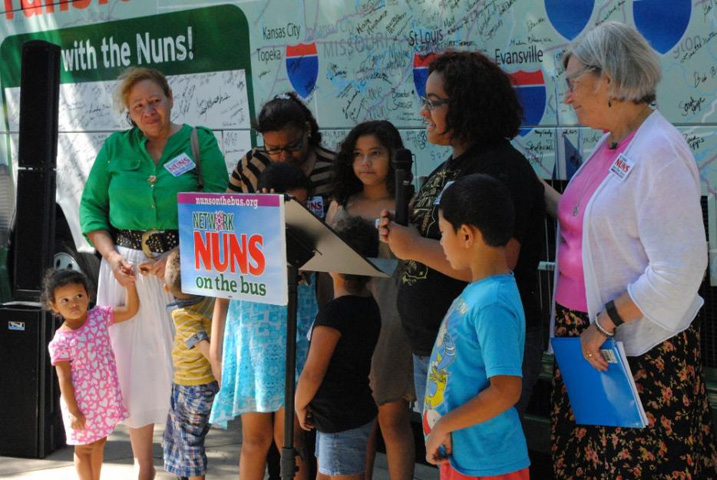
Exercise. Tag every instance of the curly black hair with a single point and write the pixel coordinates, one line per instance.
(482, 202)
(287, 110)
(282, 177)
(346, 183)
(483, 106)
(54, 279)
(362, 237)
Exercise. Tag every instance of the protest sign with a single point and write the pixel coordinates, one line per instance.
(233, 246)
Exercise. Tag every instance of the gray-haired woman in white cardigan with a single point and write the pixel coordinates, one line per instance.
(630, 258)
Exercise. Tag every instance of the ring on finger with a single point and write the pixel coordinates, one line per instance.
(588, 355)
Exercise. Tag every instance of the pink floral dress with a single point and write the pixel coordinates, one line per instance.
(94, 376)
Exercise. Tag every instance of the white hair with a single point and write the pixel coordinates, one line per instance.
(620, 51)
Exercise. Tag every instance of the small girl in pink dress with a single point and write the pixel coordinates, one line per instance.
(91, 399)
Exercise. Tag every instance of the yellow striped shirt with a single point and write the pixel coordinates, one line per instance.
(190, 366)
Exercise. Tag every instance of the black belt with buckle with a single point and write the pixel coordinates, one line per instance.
(151, 242)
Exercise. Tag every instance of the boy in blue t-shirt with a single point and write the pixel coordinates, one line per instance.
(474, 377)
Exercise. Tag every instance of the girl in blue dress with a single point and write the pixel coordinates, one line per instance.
(253, 354)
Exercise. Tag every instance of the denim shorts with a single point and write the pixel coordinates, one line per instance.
(343, 453)
(420, 375)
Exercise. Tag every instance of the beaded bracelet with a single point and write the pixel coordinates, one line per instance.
(602, 330)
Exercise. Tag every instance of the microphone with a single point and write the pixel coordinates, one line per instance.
(402, 162)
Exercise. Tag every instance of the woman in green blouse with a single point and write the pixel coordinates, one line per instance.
(129, 212)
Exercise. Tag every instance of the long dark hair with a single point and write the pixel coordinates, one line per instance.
(346, 183)
(287, 110)
(483, 106)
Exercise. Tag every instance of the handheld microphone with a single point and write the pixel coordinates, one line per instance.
(402, 162)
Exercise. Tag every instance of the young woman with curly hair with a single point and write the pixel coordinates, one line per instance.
(470, 106)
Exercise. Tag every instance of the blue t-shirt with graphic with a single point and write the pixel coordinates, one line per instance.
(481, 336)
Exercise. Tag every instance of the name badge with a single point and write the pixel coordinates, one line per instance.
(179, 165)
(316, 206)
(621, 167)
(438, 198)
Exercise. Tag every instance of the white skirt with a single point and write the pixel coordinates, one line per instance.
(142, 345)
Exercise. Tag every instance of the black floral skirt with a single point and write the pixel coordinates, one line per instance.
(678, 443)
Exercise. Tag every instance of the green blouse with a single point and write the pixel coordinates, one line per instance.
(127, 190)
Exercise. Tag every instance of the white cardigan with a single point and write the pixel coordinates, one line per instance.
(644, 233)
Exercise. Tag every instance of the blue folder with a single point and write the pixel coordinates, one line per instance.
(599, 398)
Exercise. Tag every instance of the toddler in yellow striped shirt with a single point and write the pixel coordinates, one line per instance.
(194, 386)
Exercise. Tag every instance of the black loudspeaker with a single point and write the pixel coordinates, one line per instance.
(34, 234)
(39, 100)
(30, 418)
(34, 231)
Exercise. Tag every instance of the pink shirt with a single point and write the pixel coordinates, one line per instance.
(94, 376)
(570, 291)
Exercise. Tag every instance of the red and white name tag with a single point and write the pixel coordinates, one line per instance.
(621, 167)
(179, 165)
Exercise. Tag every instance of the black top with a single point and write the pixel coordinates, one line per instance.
(424, 295)
(344, 399)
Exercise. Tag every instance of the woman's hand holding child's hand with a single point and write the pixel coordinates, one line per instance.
(121, 269)
(155, 266)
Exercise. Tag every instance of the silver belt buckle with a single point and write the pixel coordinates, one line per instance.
(145, 237)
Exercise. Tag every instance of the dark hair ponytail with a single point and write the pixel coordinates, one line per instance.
(284, 110)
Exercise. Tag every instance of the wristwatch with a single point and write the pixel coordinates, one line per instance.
(612, 313)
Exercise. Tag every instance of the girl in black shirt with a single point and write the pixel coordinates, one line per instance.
(333, 393)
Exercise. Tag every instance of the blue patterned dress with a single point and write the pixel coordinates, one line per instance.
(254, 355)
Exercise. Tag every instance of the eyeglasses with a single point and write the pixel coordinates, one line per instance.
(292, 147)
(570, 81)
(430, 105)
